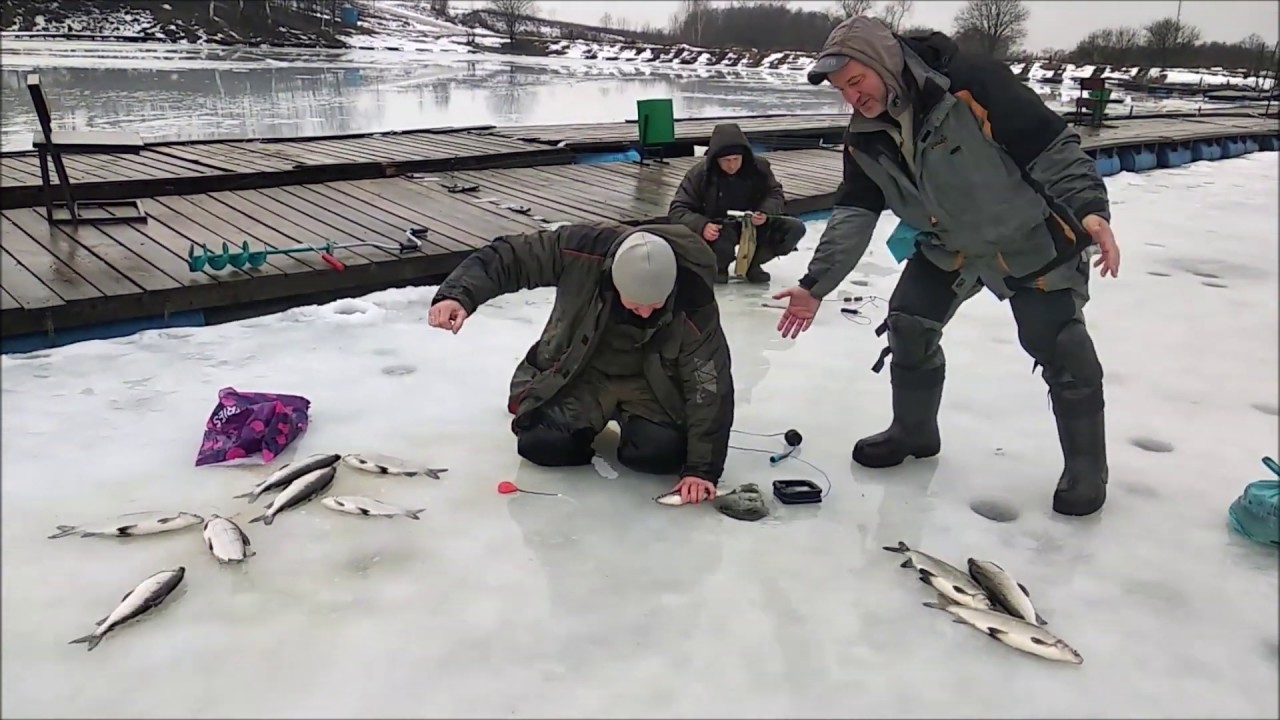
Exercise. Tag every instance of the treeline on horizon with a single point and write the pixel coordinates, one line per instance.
(994, 27)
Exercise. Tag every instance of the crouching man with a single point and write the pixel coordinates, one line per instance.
(634, 336)
(731, 178)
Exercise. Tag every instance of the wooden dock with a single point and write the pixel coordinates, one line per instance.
(56, 278)
(181, 168)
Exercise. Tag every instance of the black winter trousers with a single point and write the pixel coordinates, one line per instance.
(778, 236)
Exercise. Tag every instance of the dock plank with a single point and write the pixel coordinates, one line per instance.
(23, 286)
(61, 269)
(111, 267)
(8, 302)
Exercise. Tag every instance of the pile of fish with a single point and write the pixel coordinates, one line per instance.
(296, 484)
(990, 599)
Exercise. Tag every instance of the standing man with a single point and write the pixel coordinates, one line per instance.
(634, 335)
(955, 145)
(731, 177)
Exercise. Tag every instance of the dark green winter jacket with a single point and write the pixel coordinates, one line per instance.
(999, 186)
(700, 200)
(687, 360)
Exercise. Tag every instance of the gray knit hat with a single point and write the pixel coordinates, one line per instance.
(644, 269)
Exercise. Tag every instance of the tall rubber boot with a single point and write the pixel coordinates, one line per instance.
(917, 395)
(756, 274)
(1082, 487)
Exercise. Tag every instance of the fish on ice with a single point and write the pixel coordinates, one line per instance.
(1014, 632)
(356, 505)
(290, 472)
(673, 498)
(299, 491)
(944, 577)
(360, 462)
(1007, 593)
(148, 522)
(225, 540)
(145, 597)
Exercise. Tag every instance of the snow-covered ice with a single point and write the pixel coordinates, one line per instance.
(610, 605)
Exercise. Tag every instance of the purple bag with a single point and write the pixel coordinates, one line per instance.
(244, 424)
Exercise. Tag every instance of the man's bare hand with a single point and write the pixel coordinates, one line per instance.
(798, 316)
(447, 315)
(710, 232)
(758, 218)
(694, 489)
(1109, 251)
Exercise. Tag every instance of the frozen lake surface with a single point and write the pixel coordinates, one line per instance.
(609, 605)
(189, 93)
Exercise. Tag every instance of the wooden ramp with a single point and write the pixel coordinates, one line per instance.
(55, 277)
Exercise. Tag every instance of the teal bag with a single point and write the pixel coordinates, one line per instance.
(902, 242)
(1256, 513)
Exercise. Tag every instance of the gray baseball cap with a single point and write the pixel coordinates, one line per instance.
(826, 64)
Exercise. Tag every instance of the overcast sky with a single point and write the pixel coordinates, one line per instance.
(1054, 23)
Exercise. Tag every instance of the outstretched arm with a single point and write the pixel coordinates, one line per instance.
(507, 264)
(858, 205)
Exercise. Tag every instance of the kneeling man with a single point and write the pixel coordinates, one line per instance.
(634, 336)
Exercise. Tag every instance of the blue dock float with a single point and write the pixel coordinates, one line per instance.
(1106, 162)
(1269, 143)
(1138, 158)
(1205, 150)
(1232, 147)
(1173, 154)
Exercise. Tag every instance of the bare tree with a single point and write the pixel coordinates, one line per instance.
(894, 12)
(513, 15)
(853, 8)
(1169, 37)
(606, 21)
(1258, 52)
(996, 27)
(693, 15)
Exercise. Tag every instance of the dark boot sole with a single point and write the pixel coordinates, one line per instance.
(1076, 506)
(892, 462)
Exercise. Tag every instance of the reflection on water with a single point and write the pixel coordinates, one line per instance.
(172, 93)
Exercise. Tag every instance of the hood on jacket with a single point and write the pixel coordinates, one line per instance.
(692, 252)
(934, 48)
(728, 139)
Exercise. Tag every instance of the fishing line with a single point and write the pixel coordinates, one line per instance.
(857, 314)
(792, 438)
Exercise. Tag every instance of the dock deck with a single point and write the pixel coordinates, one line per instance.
(181, 168)
(57, 279)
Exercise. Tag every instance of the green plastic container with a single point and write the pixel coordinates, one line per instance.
(1256, 513)
(656, 121)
